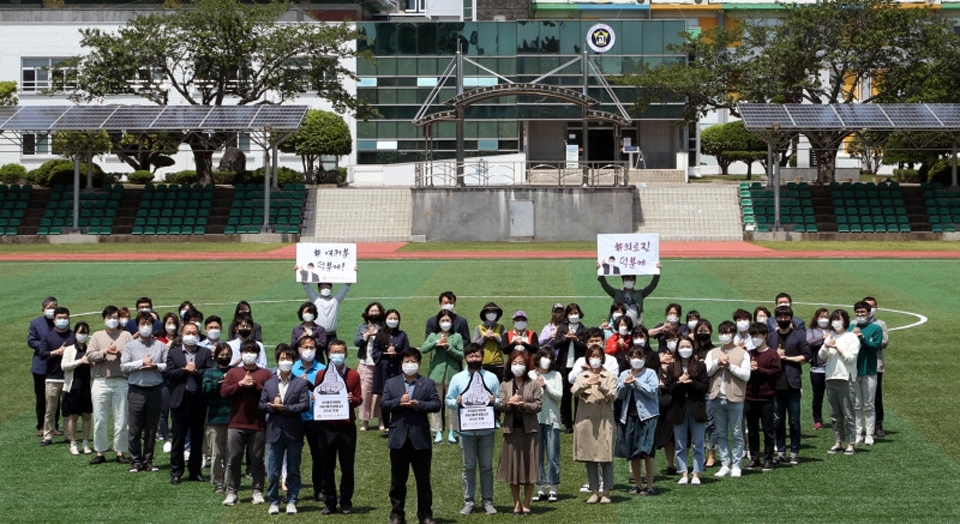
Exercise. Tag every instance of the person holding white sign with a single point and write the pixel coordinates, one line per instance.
(476, 445)
(328, 305)
(629, 296)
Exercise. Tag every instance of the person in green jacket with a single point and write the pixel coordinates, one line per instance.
(629, 295)
(870, 335)
(446, 361)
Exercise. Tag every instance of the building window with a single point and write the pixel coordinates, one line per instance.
(41, 74)
(31, 144)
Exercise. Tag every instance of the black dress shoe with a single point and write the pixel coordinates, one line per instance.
(427, 520)
(98, 459)
(318, 497)
(174, 480)
(396, 520)
(346, 510)
(198, 478)
(122, 459)
(329, 510)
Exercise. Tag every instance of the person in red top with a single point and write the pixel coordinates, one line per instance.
(520, 338)
(246, 431)
(758, 408)
(338, 438)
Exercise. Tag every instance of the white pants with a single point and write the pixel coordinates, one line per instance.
(110, 396)
(863, 408)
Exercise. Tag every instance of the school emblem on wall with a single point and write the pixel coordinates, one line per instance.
(601, 37)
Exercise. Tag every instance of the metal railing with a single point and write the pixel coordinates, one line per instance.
(483, 173)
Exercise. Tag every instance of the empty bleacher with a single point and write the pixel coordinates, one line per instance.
(14, 203)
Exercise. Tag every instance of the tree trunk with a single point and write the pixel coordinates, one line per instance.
(203, 160)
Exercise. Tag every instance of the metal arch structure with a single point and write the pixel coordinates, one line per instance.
(466, 98)
(827, 125)
(268, 126)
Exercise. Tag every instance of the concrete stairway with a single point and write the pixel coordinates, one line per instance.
(690, 212)
(358, 215)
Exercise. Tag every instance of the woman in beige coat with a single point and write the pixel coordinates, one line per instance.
(520, 401)
(593, 433)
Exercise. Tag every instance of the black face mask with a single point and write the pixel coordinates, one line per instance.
(224, 361)
(244, 332)
(703, 337)
(474, 365)
(784, 324)
(374, 319)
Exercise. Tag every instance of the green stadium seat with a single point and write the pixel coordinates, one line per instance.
(811, 228)
(11, 231)
(137, 230)
(105, 230)
(163, 230)
(229, 230)
(186, 230)
(199, 230)
(855, 228)
(150, 230)
(42, 231)
(868, 228)
(54, 230)
(880, 228)
(174, 230)
(949, 228)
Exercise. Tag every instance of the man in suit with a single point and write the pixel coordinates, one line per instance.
(186, 365)
(409, 398)
(610, 267)
(285, 397)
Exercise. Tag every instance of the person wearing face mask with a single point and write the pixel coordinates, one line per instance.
(702, 344)
(171, 329)
(558, 316)
(840, 349)
(284, 399)
(307, 368)
(489, 334)
(620, 341)
(629, 295)
(870, 336)
(446, 360)
(476, 446)
(110, 387)
(878, 398)
(39, 327)
(593, 434)
(617, 311)
(363, 339)
(243, 326)
(551, 385)
(338, 438)
(309, 328)
(609, 362)
(169, 336)
(246, 429)
(77, 400)
(783, 299)
(670, 325)
(387, 346)
(758, 406)
(819, 329)
(791, 345)
(328, 304)
(187, 362)
(520, 338)
(410, 398)
(448, 302)
(569, 344)
(669, 339)
(256, 331)
(144, 360)
(638, 388)
(212, 328)
(686, 382)
(728, 367)
(144, 305)
(124, 319)
(520, 401)
(742, 320)
(52, 347)
(218, 415)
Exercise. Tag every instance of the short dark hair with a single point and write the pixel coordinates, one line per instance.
(783, 295)
(783, 311)
(81, 326)
(759, 328)
(110, 310)
(144, 317)
(842, 315)
(220, 347)
(742, 314)
(693, 313)
(60, 310)
(336, 342)
(673, 305)
(471, 348)
(593, 349)
(861, 305)
(870, 299)
(449, 295)
(594, 332)
(411, 352)
(144, 300)
(727, 327)
(211, 319)
(285, 349)
(310, 307)
(250, 346)
(241, 318)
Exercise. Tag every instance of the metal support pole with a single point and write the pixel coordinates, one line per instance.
(953, 166)
(586, 123)
(776, 197)
(76, 193)
(461, 155)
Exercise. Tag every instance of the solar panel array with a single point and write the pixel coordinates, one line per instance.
(151, 118)
(850, 117)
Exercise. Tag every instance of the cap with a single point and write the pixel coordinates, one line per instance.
(519, 314)
(558, 306)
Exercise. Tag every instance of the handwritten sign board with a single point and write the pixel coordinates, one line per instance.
(334, 263)
(476, 413)
(630, 254)
(330, 399)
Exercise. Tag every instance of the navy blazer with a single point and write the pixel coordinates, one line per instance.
(287, 422)
(177, 377)
(408, 422)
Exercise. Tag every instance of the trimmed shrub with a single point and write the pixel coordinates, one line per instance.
(942, 172)
(60, 172)
(224, 177)
(187, 176)
(285, 176)
(12, 173)
(906, 175)
(140, 177)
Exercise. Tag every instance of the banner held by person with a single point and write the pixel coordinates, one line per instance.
(333, 263)
(628, 254)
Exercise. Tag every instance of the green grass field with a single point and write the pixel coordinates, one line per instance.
(910, 476)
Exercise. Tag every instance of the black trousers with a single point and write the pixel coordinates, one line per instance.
(338, 443)
(757, 413)
(311, 430)
(144, 412)
(401, 461)
(878, 400)
(189, 418)
(566, 402)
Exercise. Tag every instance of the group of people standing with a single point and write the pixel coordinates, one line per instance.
(621, 389)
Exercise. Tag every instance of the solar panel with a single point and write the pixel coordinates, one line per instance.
(85, 118)
(229, 117)
(763, 116)
(181, 117)
(857, 116)
(6, 112)
(814, 116)
(133, 118)
(279, 117)
(949, 114)
(911, 116)
(34, 118)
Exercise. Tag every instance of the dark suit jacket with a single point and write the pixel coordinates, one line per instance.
(177, 377)
(408, 422)
(561, 345)
(681, 395)
(288, 422)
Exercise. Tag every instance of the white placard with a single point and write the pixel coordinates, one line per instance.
(330, 397)
(476, 413)
(631, 254)
(334, 263)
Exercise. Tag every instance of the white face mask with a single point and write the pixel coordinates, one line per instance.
(757, 341)
(640, 342)
(445, 326)
(743, 325)
(490, 317)
(171, 329)
(308, 355)
(325, 292)
(520, 325)
(628, 284)
(144, 310)
(725, 338)
(671, 345)
(146, 331)
(616, 316)
(285, 366)
(672, 319)
(693, 324)
(248, 358)
(823, 322)
(393, 323)
(685, 352)
(213, 334)
(787, 304)
(573, 319)
(190, 340)
(873, 312)
(837, 325)
(448, 306)
(111, 323)
(545, 363)
(410, 368)
(123, 321)
(82, 337)
(761, 319)
(518, 370)
(308, 317)
(61, 323)
(622, 330)
(637, 363)
(48, 313)
(595, 363)
(862, 321)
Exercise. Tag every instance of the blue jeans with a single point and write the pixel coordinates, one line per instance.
(275, 457)
(549, 456)
(477, 450)
(695, 430)
(728, 417)
(710, 425)
(786, 403)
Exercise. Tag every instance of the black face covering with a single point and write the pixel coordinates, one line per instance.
(244, 332)
(474, 365)
(223, 361)
(784, 324)
(703, 337)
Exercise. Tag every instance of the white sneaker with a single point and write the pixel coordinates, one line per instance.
(735, 473)
(231, 499)
(552, 497)
(186, 455)
(257, 498)
(73, 449)
(859, 440)
(291, 508)
(868, 440)
(695, 481)
(722, 472)
(585, 488)
(274, 509)
(167, 446)
(682, 482)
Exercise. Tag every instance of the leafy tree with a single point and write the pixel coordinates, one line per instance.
(322, 133)
(730, 143)
(145, 151)
(218, 52)
(77, 144)
(8, 94)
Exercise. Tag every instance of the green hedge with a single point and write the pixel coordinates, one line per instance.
(140, 177)
(12, 173)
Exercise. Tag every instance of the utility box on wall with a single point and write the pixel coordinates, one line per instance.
(500, 214)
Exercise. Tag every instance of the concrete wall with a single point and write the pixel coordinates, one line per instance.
(483, 214)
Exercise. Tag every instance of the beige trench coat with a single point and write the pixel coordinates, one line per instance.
(594, 429)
